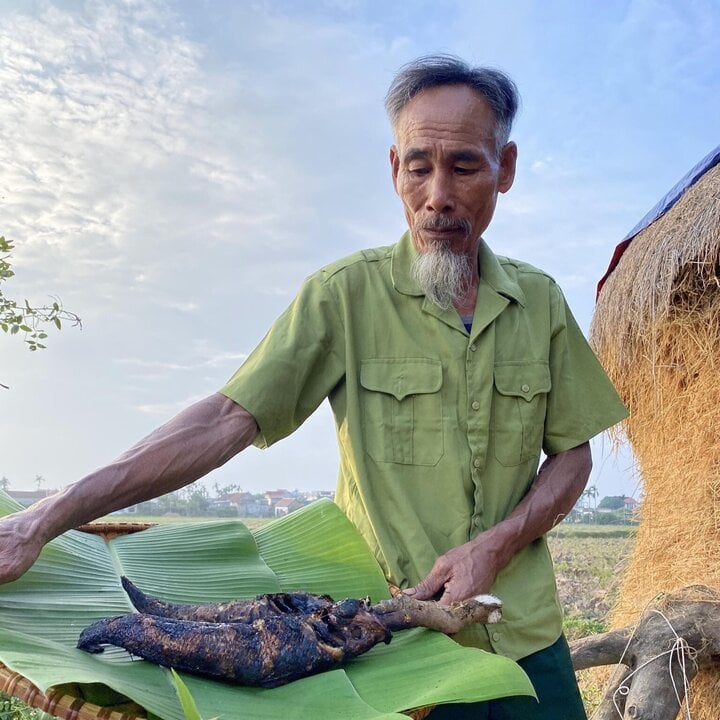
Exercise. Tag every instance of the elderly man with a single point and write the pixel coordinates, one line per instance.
(448, 369)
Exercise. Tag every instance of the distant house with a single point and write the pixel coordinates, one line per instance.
(630, 505)
(247, 504)
(28, 497)
(274, 496)
(286, 506)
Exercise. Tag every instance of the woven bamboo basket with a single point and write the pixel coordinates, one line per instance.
(60, 702)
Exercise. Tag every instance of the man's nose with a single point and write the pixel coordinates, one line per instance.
(440, 197)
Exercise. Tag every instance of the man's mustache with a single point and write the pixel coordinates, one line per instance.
(444, 223)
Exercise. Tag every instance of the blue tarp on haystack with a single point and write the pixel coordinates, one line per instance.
(668, 200)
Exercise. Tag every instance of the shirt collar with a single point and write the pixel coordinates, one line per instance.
(492, 272)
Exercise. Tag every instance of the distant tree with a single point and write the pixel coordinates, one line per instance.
(198, 501)
(221, 490)
(171, 502)
(612, 502)
(4, 483)
(591, 493)
(21, 317)
(614, 517)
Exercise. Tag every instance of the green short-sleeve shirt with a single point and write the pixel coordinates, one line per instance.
(439, 430)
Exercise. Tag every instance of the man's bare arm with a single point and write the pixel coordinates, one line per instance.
(470, 569)
(199, 439)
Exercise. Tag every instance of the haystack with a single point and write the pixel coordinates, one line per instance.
(656, 330)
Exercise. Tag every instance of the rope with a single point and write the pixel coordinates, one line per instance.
(679, 651)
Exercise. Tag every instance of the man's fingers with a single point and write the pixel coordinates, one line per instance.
(455, 591)
(420, 592)
(429, 587)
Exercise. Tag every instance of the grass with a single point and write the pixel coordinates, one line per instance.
(579, 627)
(580, 530)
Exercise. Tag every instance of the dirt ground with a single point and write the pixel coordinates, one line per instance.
(588, 565)
(589, 561)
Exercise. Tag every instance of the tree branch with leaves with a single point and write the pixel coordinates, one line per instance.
(22, 317)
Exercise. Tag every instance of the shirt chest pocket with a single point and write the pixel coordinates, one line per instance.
(520, 402)
(402, 410)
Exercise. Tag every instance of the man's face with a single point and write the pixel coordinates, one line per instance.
(446, 169)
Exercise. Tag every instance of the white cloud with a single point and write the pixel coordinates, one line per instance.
(167, 410)
(202, 355)
(94, 106)
(173, 170)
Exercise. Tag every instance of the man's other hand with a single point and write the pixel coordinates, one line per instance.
(470, 569)
(461, 573)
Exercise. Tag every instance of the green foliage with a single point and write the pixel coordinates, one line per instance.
(612, 502)
(618, 517)
(23, 318)
(581, 530)
(197, 500)
(13, 709)
(221, 490)
(589, 495)
(579, 627)
(192, 501)
(187, 701)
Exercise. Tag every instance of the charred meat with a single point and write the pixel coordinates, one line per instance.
(267, 652)
(233, 611)
(274, 638)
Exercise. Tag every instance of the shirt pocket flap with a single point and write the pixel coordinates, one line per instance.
(401, 377)
(525, 380)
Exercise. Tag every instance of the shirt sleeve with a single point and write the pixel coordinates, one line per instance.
(295, 366)
(582, 401)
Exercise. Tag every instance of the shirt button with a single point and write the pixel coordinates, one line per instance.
(476, 405)
(496, 636)
(476, 462)
(525, 388)
(473, 347)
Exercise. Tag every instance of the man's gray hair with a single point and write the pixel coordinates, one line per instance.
(430, 71)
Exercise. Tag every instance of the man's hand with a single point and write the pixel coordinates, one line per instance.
(461, 573)
(20, 545)
(470, 569)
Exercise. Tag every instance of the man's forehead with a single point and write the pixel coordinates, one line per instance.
(453, 112)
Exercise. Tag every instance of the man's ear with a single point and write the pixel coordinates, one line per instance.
(508, 163)
(394, 164)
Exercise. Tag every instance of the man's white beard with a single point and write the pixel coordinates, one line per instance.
(443, 275)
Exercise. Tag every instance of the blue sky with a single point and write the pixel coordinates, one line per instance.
(174, 170)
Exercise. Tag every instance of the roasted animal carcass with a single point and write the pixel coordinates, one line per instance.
(232, 611)
(275, 638)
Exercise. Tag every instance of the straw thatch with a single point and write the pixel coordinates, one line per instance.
(656, 330)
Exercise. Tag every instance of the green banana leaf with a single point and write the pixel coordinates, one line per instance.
(75, 582)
